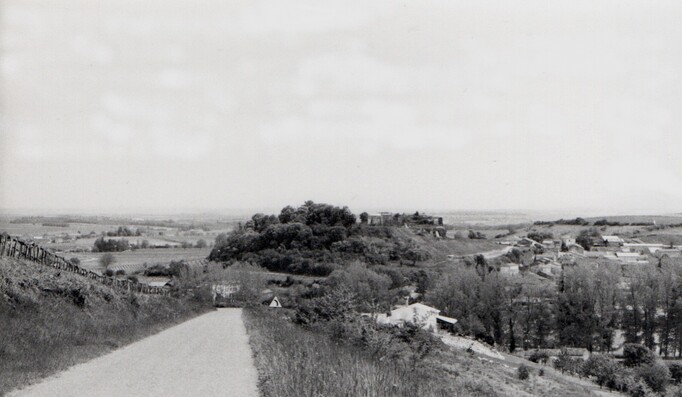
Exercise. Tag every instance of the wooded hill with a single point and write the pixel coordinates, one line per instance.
(314, 239)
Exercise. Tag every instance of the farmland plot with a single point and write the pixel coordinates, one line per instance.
(131, 261)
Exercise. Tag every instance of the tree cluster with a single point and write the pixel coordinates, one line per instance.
(540, 236)
(110, 245)
(124, 231)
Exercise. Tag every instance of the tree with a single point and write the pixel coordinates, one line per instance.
(201, 243)
(576, 316)
(587, 237)
(656, 376)
(107, 259)
(110, 245)
(539, 236)
(364, 218)
(604, 369)
(635, 355)
(370, 288)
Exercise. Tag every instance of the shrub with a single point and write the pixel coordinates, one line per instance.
(566, 363)
(538, 357)
(109, 272)
(674, 391)
(523, 372)
(474, 235)
(675, 371)
(635, 355)
(605, 370)
(656, 376)
(637, 388)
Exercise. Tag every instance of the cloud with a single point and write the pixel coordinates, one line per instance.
(370, 124)
(309, 16)
(174, 79)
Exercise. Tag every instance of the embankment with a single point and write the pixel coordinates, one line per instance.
(51, 319)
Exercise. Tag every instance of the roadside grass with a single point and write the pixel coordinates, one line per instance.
(50, 320)
(293, 361)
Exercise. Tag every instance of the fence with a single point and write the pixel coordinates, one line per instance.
(14, 248)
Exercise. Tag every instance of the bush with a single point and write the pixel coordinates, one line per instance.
(523, 372)
(674, 391)
(635, 355)
(656, 376)
(675, 369)
(566, 363)
(474, 235)
(538, 357)
(606, 371)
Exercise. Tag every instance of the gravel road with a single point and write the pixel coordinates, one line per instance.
(206, 356)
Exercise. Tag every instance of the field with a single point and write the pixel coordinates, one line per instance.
(76, 240)
(81, 236)
(132, 261)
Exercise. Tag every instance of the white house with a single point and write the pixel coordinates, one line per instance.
(417, 313)
(613, 241)
(509, 269)
(631, 257)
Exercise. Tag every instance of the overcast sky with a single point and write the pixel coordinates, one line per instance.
(201, 105)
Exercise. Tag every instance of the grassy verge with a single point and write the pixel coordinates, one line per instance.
(295, 361)
(50, 320)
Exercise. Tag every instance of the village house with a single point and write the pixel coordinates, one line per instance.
(375, 220)
(509, 269)
(631, 257)
(427, 317)
(551, 243)
(526, 242)
(158, 284)
(613, 241)
(575, 249)
(568, 241)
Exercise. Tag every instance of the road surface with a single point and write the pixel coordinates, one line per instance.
(206, 356)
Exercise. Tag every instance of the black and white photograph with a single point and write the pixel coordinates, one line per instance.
(340, 198)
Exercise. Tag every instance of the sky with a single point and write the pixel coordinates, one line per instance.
(165, 105)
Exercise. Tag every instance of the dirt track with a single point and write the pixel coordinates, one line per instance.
(206, 356)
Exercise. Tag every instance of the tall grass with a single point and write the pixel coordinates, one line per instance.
(50, 320)
(294, 362)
